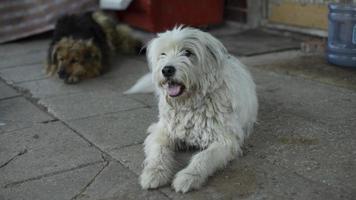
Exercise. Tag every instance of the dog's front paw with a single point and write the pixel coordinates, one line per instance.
(72, 80)
(154, 178)
(186, 181)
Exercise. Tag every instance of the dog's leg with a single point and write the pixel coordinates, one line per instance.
(72, 79)
(159, 163)
(204, 164)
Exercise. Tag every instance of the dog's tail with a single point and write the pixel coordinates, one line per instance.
(120, 37)
(143, 85)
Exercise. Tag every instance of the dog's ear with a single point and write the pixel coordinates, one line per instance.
(52, 54)
(215, 48)
(90, 50)
(151, 53)
(52, 63)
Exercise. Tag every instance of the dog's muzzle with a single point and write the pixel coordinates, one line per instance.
(173, 88)
(62, 74)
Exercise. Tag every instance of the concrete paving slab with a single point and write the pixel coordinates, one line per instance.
(23, 47)
(296, 63)
(254, 42)
(303, 115)
(6, 91)
(116, 130)
(117, 182)
(30, 58)
(306, 148)
(22, 74)
(42, 150)
(304, 159)
(17, 113)
(52, 87)
(307, 98)
(272, 182)
(248, 177)
(55, 187)
(81, 105)
(131, 156)
(245, 179)
(148, 99)
(124, 72)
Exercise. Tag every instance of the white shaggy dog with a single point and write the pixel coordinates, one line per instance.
(207, 100)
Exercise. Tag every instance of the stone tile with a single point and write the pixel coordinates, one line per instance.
(30, 58)
(55, 187)
(307, 98)
(80, 105)
(116, 130)
(124, 72)
(41, 150)
(240, 43)
(301, 122)
(314, 67)
(117, 182)
(23, 47)
(131, 156)
(269, 58)
(55, 87)
(309, 149)
(18, 113)
(24, 73)
(148, 99)
(248, 177)
(6, 91)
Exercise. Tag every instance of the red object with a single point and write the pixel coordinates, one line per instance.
(160, 15)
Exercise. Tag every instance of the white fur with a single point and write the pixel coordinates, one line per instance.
(215, 113)
(143, 85)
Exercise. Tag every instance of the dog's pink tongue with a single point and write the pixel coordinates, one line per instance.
(174, 89)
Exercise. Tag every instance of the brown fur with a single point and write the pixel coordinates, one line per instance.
(119, 36)
(79, 58)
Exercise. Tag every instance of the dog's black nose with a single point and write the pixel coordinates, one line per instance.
(62, 74)
(168, 71)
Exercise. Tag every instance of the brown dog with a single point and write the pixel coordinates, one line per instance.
(81, 46)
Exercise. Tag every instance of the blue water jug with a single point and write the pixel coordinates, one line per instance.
(342, 34)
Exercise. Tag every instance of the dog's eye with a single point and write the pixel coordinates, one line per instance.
(187, 53)
(163, 54)
(74, 61)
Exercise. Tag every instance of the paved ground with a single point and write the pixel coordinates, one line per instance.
(84, 141)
